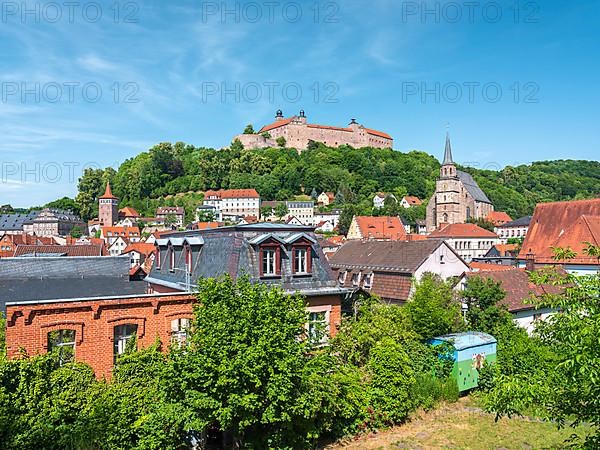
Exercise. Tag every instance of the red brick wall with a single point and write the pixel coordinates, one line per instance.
(27, 326)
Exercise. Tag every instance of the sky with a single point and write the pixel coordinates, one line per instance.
(90, 84)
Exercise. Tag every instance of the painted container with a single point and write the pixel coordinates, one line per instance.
(472, 350)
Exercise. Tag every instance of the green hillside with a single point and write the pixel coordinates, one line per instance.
(177, 174)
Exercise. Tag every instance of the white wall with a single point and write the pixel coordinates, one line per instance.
(452, 265)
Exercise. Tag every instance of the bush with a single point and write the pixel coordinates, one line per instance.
(429, 390)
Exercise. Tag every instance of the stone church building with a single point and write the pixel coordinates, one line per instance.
(457, 196)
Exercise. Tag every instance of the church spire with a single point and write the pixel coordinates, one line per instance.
(448, 152)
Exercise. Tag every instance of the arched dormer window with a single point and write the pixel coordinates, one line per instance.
(188, 258)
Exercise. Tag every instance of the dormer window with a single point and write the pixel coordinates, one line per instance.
(342, 277)
(171, 258)
(188, 258)
(269, 262)
(356, 279)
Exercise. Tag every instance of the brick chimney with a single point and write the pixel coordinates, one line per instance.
(530, 262)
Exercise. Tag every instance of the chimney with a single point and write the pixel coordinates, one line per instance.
(530, 262)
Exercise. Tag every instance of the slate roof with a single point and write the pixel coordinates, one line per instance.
(392, 256)
(59, 250)
(520, 222)
(14, 222)
(230, 250)
(472, 187)
(61, 278)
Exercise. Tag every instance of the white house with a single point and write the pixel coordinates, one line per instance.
(332, 216)
(234, 202)
(118, 246)
(325, 227)
(304, 211)
(516, 229)
(469, 240)
(379, 199)
(408, 201)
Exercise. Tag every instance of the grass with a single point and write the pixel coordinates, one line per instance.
(464, 426)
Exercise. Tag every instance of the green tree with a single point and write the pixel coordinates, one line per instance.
(281, 210)
(76, 232)
(281, 141)
(65, 204)
(484, 313)
(563, 254)
(266, 211)
(237, 145)
(433, 309)
(266, 135)
(565, 389)
(593, 251)
(249, 129)
(250, 370)
(346, 216)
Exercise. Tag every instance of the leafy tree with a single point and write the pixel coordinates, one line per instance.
(249, 129)
(206, 216)
(266, 211)
(281, 141)
(6, 209)
(76, 232)
(65, 203)
(482, 297)
(433, 309)
(593, 251)
(483, 223)
(266, 135)
(563, 254)
(565, 388)
(281, 210)
(170, 220)
(237, 145)
(249, 369)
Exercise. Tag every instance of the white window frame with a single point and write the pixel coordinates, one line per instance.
(368, 280)
(180, 330)
(301, 261)
(268, 261)
(326, 311)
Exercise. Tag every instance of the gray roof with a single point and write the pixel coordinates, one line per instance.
(233, 251)
(14, 222)
(26, 279)
(448, 152)
(388, 256)
(520, 222)
(472, 187)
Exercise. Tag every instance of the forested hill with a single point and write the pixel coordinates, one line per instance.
(155, 177)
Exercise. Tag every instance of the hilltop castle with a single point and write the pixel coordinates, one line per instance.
(298, 132)
(457, 196)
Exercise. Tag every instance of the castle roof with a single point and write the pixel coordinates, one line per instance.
(281, 123)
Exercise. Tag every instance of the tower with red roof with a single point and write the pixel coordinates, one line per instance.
(108, 208)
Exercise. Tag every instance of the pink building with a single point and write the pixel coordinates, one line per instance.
(298, 133)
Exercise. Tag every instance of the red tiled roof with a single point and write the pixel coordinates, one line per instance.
(378, 133)
(277, 124)
(563, 224)
(328, 127)
(485, 267)
(506, 249)
(206, 225)
(462, 230)
(385, 227)
(128, 211)
(415, 237)
(108, 193)
(518, 287)
(66, 250)
(498, 218)
(140, 247)
(120, 231)
(232, 193)
(412, 200)
(28, 239)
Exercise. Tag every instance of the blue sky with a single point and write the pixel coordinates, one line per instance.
(373, 58)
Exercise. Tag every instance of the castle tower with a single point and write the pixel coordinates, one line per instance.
(278, 115)
(448, 190)
(108, 210)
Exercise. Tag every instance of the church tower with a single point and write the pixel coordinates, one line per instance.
(448, 189)
(108, 208)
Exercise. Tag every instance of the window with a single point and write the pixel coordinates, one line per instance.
(62, 342)
(171, 259)
(356, 279)
(268, 262)
(342, 277)
(125, 338)
(442, 259)
(301, 256)
(318, 327)
(179, 331)
(368, 283)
